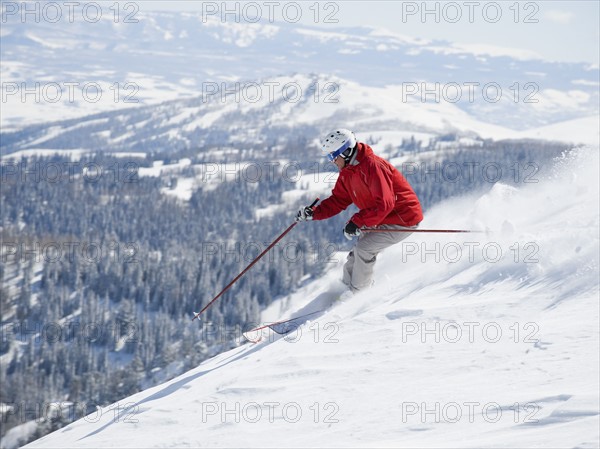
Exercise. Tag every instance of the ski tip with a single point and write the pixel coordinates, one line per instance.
(249, 340)
(252, 338)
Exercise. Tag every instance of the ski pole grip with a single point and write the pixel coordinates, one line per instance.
(314, 203)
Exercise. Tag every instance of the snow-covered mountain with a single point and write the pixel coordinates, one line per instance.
(479, 340)
(277, 111)
(54, 71)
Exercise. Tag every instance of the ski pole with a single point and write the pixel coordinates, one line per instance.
(282, 235)
(420, 230)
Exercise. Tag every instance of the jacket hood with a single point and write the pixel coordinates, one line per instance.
(364, 151)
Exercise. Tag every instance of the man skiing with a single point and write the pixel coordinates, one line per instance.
(383, 196)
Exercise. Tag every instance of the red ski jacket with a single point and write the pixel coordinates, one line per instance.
(377, 188)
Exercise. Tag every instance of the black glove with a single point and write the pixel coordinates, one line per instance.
(305, 214)
(351, 230)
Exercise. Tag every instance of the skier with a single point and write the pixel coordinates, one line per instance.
(384, 197)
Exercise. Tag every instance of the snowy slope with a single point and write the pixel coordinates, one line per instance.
(477, 340)
(583, 130)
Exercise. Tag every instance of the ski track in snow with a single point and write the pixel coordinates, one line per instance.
(408, 363)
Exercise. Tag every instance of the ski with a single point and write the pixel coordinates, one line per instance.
(280, 327)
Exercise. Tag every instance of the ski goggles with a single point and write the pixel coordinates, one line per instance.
(334, 154)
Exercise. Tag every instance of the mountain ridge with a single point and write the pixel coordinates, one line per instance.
(168, 63)
(273, 111)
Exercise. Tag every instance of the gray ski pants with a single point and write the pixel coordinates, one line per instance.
(358, 270)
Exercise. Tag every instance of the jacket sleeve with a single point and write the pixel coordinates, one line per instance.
(337, 202)
(381, 187)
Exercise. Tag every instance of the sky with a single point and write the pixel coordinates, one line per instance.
(565, 31)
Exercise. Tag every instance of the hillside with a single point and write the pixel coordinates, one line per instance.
(285, 110)
(480, 341)
(149, 58)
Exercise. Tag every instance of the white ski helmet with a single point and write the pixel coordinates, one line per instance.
(338, 141)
